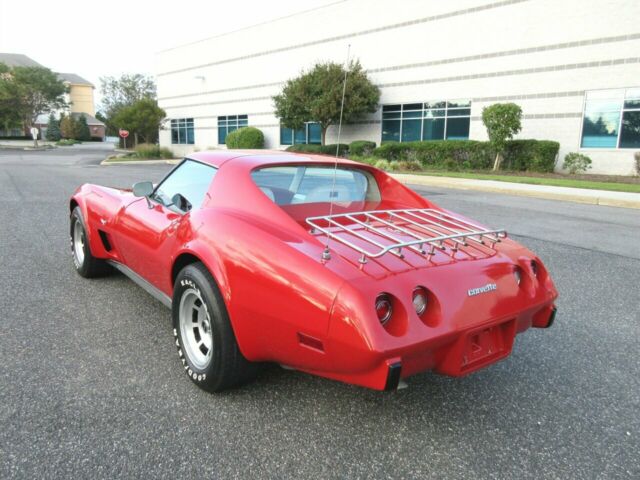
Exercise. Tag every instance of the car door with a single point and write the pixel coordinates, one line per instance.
(149, 228)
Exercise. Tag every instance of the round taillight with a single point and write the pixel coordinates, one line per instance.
(419, 300)
(534, 267)
(518, 274)
(384, 309)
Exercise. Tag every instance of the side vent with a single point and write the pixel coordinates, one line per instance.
(105, 240)
(310, 342)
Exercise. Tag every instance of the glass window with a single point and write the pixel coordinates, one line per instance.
(303, 184)
(457, 128)
(182, 131)
(286, 136)
(310, 133)
(390, 130)
(191, 179)
(314, 133)
(611, 119)
(435, 120)
(228, 124)
(300, 135)
(411, 130)
(630, 131)
(433, 129)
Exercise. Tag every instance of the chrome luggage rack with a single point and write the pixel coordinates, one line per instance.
(424, 230)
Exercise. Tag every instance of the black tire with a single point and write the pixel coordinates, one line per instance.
(225, 367)
(86, 264)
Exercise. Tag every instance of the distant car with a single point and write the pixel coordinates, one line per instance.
(327, 266)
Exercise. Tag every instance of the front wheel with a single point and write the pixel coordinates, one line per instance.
(206, 343)
(86, 264)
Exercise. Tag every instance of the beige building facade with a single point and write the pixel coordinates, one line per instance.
(573, 66)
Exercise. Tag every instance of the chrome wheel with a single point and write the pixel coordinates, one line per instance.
(78, 242)
(195, 328)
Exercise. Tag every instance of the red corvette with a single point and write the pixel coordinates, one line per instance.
(335, 269)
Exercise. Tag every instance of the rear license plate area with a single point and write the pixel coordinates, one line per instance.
(486, 345)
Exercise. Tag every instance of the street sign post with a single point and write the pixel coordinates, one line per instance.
(34, 134)
(124, 134)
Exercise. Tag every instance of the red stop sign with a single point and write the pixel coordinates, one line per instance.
(123, 133)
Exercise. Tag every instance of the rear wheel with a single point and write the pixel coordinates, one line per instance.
(86, 264)
(206, 343)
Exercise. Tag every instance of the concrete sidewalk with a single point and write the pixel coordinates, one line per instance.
(568, 194)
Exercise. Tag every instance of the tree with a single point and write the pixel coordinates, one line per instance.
(68, 127)
(53, 129)
(9, 112)
(502, 121)
(316, 96)
(30, 92)
(143, 118)
(82, 131)
(118, 93)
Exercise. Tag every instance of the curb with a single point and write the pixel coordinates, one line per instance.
(139, 162)
(566, 194)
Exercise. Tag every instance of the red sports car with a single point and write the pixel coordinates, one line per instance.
(328, 267)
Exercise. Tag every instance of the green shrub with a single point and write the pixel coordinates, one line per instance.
(246, 137)
(532, 155)
(406, 166)
(383, 165)
(367, 160)
(434, 154)
(361, 148)
(67, 142)
(321, 149)
(147, 151)
(576, 162)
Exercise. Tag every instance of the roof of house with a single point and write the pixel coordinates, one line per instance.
(74, 79)
(91, 120)
(18, 60)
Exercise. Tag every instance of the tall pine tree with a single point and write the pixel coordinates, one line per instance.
(53, 129)
(82, 129)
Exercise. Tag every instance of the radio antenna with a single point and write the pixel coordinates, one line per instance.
(326, 254)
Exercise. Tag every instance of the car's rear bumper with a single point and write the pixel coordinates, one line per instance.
(457, 352)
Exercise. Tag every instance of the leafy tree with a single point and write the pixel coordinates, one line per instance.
(28, 92)
(126, 90)
(118, 93)
(82, 131)
(9, 113)
(316, 96)
(53, 129)
(502, 121)
(143, 118)
(68, 127)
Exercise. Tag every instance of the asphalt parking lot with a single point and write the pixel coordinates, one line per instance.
(91, 386)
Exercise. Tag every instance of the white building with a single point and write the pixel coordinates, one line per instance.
(572, 65)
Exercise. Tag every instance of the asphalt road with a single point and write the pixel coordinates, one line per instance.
(91, 386)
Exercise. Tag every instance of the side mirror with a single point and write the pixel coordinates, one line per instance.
(142, 189)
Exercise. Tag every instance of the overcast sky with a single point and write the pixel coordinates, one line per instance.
(95, 39)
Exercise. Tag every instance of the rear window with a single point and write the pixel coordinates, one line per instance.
(302, 184)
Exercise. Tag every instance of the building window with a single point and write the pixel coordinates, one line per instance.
(310, 133)
(182, 131)
(611, 119)
(426, 121)
(228, 124)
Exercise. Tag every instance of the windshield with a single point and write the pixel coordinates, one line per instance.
(301, 184)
